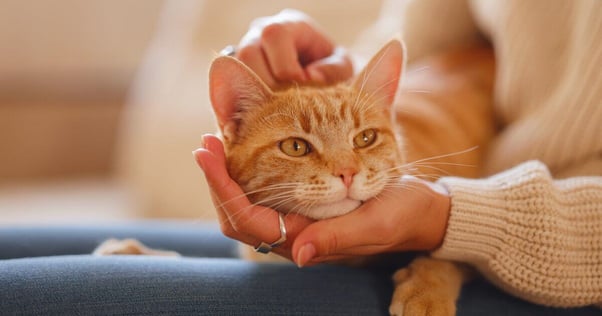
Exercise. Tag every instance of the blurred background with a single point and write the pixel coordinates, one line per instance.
(102, 102)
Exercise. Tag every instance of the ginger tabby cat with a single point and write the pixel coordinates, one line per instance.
(322, 151)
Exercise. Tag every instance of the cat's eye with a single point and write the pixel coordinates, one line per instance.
(365, 138)
(295, 147)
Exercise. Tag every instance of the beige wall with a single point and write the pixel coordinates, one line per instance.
(61, 38)
(65, 68)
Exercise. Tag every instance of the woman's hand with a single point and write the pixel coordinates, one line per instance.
(288, 47)
(411, 216)
(238, 218)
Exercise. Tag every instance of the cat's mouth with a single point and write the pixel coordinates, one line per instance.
(333, 209)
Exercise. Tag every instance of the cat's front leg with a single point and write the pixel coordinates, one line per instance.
(428, 287)
(129, 247)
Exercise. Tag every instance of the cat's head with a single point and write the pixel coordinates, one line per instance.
(317, 151)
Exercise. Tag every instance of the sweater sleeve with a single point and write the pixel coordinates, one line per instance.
(533, 236)
(426, 27)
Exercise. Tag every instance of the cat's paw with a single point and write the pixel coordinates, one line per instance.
(426, 288)
(415, 297)
(129, 247)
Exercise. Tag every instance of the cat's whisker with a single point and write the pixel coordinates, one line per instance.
(414, 188)
(276, 186)
(427, 162)
(376, 197)
(394, 180)
(428, 176)
(282, 202)
(368, 74)
(391, 189)
(263, 202)
(276, 197)
(366, 98)
(267, 206)
(434, 166)
(446, 155)
(272, 187)
(445, 163)
(417, 70)
(388, 192)
(301, 209)
(377, 90)
(417, 91)
(368, 104)
(243, 223)
(443, 171)
(406, 169)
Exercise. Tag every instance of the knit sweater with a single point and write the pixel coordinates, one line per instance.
(529, 233)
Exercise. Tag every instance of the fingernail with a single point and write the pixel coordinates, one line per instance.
(199, 162)
(316, 76)
(305, 254)
(204, 140)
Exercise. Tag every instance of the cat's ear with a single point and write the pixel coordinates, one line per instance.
(380, 78)
(233, 88)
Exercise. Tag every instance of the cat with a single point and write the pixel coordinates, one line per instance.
(321, 151)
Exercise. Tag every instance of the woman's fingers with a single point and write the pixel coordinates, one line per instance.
(290, 47)
(253, 56)
(229, 197)
(239, 219)
(335, 68)
(278, 44)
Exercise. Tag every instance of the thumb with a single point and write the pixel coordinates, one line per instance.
(332, 69)
(356, 233)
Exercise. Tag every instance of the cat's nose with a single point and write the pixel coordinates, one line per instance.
(346, 174)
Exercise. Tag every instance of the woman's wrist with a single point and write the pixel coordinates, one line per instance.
(441, 208)
(435, 217)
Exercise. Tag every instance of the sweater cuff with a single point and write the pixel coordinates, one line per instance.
(479, 219)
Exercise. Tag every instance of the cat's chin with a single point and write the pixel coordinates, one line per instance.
(334, 209)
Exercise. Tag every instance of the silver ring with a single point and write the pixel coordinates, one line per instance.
(229, 50)
(266, 248)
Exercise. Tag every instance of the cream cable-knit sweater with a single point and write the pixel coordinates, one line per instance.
(529, 233)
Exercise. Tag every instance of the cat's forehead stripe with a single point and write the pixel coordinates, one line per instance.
(317, 114)
(352, 111)
(319, 110)
(343, 110)
(304, 122)
(314, 114)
